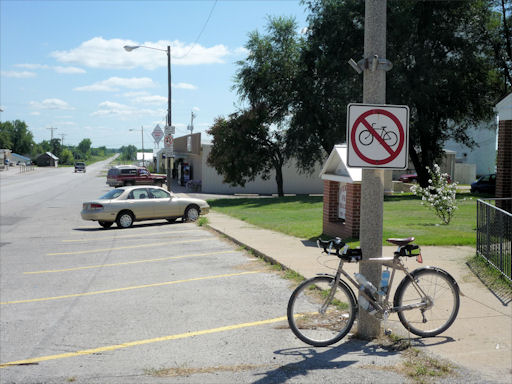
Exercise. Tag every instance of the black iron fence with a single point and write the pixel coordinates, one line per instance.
(494, 236)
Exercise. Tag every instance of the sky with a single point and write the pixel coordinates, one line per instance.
(63, 65)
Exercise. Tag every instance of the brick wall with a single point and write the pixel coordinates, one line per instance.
(504, 165)
(332, 225)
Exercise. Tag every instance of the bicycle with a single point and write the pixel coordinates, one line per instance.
(322, 309)
(366, 138)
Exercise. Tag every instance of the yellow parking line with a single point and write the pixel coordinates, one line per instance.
(127, 263)
(125, 247)
(143, 342)
(123, 236)
(126, 288)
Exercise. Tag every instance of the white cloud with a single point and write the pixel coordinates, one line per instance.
(102, 53)
(35, 113)
(58, 68)
(18, 75)
(68, 70)
(114, 83)
(196, 109)
(110, 108)
(51, 104)
(184, 86)
(150, 99)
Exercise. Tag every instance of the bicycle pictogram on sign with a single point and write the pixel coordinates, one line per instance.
(377, 136)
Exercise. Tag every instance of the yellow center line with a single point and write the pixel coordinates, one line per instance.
(126, 288)
(124, 236)
(126, 263)
(124, 247)
(143, 342)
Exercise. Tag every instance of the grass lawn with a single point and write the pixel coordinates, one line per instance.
(301, 216)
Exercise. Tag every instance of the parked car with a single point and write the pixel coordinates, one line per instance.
(409, 178)
(132, 175)
(485, 184)
(413, 178)
(128, 204)
(80, 166)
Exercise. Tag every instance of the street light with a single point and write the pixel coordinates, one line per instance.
(129, 48)
(142, 135)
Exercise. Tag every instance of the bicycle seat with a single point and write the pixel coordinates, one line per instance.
(400, 242)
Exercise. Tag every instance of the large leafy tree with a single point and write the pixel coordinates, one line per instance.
(15, 135)
(252, 141)
(442, 69)
(243, 148)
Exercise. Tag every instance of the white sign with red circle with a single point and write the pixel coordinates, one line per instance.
(168, 141)
(377, 136)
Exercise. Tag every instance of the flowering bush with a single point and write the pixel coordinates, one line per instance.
(439, 195)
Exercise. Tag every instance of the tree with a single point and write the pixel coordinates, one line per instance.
(257, 150)
(442, 69)
(265, 80)
(56, 147)
(66, 157)
(128, 153)
(15, 135)
(84, 149)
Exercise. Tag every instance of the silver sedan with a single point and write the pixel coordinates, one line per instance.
(125, 205)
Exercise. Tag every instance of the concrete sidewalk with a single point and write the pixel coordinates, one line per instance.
(480, 338)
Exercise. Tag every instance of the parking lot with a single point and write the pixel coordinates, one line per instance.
(145, 304)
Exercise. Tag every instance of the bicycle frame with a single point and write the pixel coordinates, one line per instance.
(381, 304)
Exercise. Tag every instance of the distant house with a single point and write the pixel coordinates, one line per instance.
(47, 159)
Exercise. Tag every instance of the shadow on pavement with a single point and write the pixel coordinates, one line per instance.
(320, 359)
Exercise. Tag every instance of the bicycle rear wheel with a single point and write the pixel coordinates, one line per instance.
(441, 302)
(316, 321)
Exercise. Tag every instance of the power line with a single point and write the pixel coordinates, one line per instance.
(200, 33)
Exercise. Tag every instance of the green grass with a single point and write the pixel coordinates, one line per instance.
(301, 216)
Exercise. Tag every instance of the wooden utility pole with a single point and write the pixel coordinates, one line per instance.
(372, 189)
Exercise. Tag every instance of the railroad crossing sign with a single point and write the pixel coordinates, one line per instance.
(377, 136)
(157, 134)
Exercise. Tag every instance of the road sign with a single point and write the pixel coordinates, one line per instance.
(170, 130)
(377, 136)
(157, 134)
(168, 141)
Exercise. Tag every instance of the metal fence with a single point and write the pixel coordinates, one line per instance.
(494, 236)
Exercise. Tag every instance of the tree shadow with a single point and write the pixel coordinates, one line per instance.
(264, 201)
(319, 359)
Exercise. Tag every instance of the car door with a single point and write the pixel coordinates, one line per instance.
(163, 206)
(140, 203)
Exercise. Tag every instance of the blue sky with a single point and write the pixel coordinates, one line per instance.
(63, 64)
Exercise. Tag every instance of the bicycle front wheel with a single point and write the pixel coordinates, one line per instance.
(315, 317)
(432, 313)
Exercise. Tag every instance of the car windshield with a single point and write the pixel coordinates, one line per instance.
(113, 194)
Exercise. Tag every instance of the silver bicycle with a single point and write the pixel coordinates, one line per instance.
(322, 310)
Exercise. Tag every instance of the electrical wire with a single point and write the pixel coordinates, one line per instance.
(200, 33)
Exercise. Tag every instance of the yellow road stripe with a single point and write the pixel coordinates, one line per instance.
(123, 236)
(142, 342)
(127, 288)
(125, 247)
(126, 263)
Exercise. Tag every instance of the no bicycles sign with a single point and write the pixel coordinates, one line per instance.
(377, 136)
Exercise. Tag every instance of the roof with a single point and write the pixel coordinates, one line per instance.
(49, 154)
(504, 108)
(336, 168)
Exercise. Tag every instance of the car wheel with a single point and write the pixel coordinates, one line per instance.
(171, 220)
(105, 224)
(191, 214)
(124, 219)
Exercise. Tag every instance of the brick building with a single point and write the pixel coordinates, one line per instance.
(342, 195)
(504, 159)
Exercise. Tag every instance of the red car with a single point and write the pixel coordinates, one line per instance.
(413, 178)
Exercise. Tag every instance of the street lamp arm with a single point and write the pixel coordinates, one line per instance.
(129, 48)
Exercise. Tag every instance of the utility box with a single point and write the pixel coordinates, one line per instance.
(342, 195)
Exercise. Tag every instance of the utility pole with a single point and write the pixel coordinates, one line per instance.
(52, 129)
(62, 138)
(372, 188)
(191, 126)
(169, 160)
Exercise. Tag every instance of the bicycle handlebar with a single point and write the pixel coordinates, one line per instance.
(333, 246)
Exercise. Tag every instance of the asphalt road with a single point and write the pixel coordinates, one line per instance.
(154, 303)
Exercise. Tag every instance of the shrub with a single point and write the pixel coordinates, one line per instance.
(439, 195)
